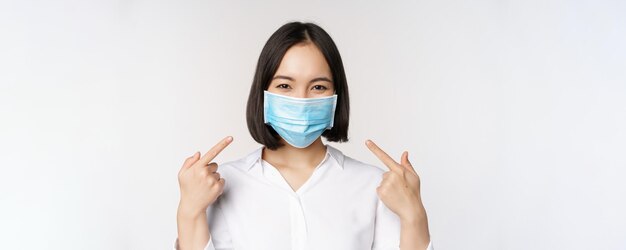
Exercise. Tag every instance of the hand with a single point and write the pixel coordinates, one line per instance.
(400, 188)
(200, 183)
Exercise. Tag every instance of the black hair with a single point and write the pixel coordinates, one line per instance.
(272, 54)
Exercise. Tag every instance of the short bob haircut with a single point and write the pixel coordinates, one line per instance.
(272, 54)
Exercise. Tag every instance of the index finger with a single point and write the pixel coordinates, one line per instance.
(384, 157)
(215, 150)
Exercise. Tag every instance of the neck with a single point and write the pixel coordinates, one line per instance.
(288, 156)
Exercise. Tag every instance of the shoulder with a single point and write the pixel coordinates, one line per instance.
(356, 167)
(359, 177)
(243, 163)
(352, 164)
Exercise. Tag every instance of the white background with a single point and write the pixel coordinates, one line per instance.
(514, 112)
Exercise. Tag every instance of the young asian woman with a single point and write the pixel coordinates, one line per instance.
(295, 192)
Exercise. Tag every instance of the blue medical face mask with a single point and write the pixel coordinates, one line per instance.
(300, 121)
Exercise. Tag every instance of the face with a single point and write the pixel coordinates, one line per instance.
(303, 73)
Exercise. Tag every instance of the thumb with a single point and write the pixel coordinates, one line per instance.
(404, 161)
(191, 160)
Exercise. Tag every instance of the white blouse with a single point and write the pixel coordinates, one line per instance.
(336, 208)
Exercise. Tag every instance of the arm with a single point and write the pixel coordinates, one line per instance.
(391, 232)
(400, 192)
(193, 230)
(414, 233)
(200, 186)
(214, 224)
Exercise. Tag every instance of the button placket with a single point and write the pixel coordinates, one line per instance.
(296, 210)
(298, 223)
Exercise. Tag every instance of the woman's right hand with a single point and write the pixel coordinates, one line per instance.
(200, 183)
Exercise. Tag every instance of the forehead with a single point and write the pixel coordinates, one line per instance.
(304, 60)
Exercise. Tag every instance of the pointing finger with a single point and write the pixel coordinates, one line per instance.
(384, 157)
(215, 150)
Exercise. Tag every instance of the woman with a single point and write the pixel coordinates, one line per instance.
(295, 192)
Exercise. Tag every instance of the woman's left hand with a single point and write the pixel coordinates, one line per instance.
(400, 188)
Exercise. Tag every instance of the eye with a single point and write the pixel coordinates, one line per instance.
(283, 86)
(320, 87)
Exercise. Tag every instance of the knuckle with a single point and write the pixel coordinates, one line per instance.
(393, 176)
(381, 191)
(211, 181)
(203, 172)
(402, 172)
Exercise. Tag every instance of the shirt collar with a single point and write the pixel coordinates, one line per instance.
(255, 157)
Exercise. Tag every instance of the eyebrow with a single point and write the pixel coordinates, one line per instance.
(317, 79)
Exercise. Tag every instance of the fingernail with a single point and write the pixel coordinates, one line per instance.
(229, 139)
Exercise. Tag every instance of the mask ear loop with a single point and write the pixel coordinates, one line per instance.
(265, 104)
(332, 119)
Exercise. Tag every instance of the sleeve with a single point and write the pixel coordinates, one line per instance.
(430, 245)
(387, 229)
(220, 236)
(209, 245)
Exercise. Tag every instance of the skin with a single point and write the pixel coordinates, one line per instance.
(304, 73)
(200, 185)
